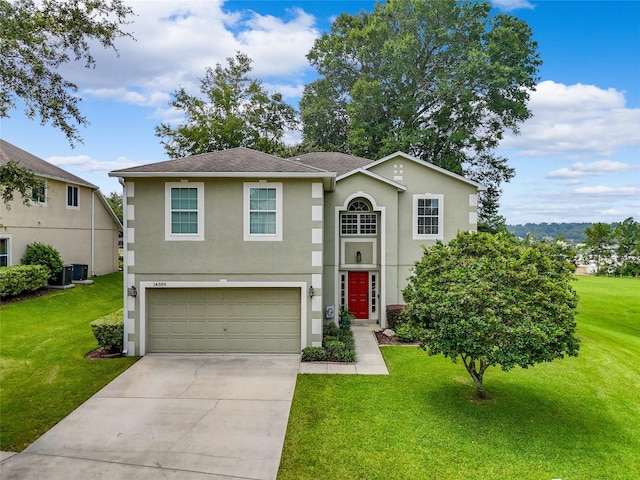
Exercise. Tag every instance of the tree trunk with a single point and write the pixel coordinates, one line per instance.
(476, 372)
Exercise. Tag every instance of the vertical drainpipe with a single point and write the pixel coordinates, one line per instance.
(93, 233)
(125, 267)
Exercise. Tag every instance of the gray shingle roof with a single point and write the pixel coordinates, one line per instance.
(37, 165)
(339, 163)
(233, 160)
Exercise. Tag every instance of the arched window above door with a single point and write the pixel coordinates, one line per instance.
(359, 219)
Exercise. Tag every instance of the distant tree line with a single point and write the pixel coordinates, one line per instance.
(573, 232)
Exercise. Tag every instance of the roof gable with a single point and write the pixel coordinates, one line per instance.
(41, 168)
(428, 165)
(373, 175)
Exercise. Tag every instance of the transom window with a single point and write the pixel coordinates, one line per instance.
(427, 216)
(184, 205)
(263, 211)
(358, 223)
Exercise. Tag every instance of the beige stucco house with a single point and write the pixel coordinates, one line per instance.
(69, 214)
(240, 251)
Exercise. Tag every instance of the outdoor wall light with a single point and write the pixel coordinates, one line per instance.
(133, 292)
(312, 292)
(358, 256)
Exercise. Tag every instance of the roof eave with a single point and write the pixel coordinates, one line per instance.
(122, 174)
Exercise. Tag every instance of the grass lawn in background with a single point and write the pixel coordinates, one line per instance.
(576, 418)
(43, 373)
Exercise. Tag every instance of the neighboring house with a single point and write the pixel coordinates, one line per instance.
(241, 251)
(69, 214)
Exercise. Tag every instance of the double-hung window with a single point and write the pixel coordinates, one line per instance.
(39, 194)
(73, 197)
(184, 216)
(263, 211)
(428, 217)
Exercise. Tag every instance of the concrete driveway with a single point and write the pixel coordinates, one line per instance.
(185, 417)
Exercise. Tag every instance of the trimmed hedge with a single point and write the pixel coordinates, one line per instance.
(41, 254)
(109, 331)
(22, 278)
(395, 315)
(338, 345)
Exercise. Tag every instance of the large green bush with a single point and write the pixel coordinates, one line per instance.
(41, 254)
(109, 331)
(22, 278)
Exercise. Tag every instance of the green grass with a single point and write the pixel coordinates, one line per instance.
(43, 373)
(577, 418)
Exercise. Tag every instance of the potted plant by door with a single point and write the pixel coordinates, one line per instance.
(346, 316)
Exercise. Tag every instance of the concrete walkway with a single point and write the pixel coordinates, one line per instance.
(191, 417)
(369, 360)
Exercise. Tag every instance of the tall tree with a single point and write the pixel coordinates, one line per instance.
(627, 235)
(599, 245)
(491, 299)
(39, 37)
(233, 110)
(441, 80)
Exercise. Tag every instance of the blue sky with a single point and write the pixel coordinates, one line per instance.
(577, 159)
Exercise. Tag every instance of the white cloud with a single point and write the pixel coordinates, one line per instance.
(79, 164)
(576, 120)
(603, 190)
(598, 168)
(508, 5)
(177, 40)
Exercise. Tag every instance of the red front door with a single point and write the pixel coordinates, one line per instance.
(359, 294)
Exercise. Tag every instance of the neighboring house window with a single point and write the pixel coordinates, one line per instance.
(427, 216)
(4, 252)
(184, 205)
(39, 194)
(358, 223)
(263, 211)
(73, 200)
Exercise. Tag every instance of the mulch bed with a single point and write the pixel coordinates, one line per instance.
(384, 340)
(101, 352)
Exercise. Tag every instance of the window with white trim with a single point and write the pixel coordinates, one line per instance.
(184, 215)
(4, 252)
(73, 196)
(263, 211)
(428, 217)
(39, 194)
(360, 223)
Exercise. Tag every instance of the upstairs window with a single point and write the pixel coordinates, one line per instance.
(357, 220)
(39, 194)
(73, 197)
(263, 211)
(184, 203)
(427, 217)
(4, 252)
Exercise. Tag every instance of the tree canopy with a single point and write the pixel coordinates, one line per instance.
(439, 80)
(492, 299)
(37, 38)
(233, 110)
(15, 178)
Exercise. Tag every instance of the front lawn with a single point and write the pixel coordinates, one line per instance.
(44, 375)
(576, 418)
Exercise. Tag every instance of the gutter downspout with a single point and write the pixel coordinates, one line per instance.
(125, 266)
(93, 233)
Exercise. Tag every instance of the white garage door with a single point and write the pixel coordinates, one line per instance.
(223, 320)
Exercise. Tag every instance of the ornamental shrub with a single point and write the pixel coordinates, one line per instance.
(408, 332)
(40, 254)
(395, 315)
(314, 354)
(109, 331)
(22, 278)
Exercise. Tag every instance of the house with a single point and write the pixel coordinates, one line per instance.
(69, 214)
(241, 251)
